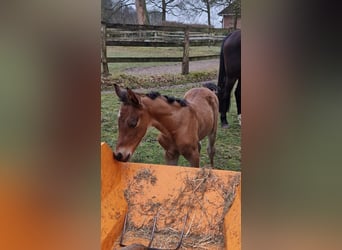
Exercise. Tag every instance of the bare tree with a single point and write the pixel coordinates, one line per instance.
(111, 8)
(142, 14)
(115, 11)
(166, 7)
(198, 7)
(126, 15)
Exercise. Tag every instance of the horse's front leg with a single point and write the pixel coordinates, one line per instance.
(191, 154)
(224, 100)
(171, 157)
(193, 158)
(171, 153)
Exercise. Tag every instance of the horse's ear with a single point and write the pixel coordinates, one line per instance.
(133, 98)
(122, 94)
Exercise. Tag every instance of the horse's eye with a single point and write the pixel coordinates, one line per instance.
(132, 123)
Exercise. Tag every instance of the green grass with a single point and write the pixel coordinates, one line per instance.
(228, 142)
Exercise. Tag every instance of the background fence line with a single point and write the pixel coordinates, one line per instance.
(185, 36)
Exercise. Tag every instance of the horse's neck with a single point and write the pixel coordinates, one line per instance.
(164, 116)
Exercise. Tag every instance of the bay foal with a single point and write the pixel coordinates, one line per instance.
(182, 123)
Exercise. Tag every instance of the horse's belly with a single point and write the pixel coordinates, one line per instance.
(204, 132)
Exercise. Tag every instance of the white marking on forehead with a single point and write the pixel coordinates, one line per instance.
(119, 113)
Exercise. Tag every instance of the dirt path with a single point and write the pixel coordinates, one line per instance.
(175, 68)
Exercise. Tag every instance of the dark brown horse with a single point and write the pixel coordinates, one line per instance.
(229, 73)
(183, 123)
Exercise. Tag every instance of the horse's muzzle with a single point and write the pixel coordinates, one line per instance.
(120, 157)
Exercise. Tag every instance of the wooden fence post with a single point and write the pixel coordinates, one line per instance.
(105, 70)
(185, 61)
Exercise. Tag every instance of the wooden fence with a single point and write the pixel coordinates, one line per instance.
(158, 36)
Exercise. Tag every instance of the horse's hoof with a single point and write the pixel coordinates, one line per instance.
(224, 122)
(225, 125)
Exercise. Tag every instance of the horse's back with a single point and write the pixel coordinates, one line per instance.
(232, 44)
(204, 103)
(196, 95)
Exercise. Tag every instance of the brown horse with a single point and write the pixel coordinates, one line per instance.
(183, 123)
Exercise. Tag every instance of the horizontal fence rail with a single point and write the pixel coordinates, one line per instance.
(151, 43)
(185, 36)
(157, 59)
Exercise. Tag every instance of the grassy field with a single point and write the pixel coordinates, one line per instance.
(120, 51)
(228, 143)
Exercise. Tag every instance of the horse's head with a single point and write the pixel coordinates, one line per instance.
(133, 122)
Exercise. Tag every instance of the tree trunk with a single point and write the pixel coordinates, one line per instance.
(208, 12)
(141, 12)
(163, 10)
(185, 61)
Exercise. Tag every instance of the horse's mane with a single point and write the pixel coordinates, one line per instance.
(169, 99)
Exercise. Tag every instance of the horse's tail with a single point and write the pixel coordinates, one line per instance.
(222, 69)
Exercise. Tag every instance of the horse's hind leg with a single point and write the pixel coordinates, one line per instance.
(238, 96)
(238, 99)
(224, 100)
(211, 147)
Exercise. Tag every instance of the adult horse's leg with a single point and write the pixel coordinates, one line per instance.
(222, 85)
(238, 99)
(224, 104)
